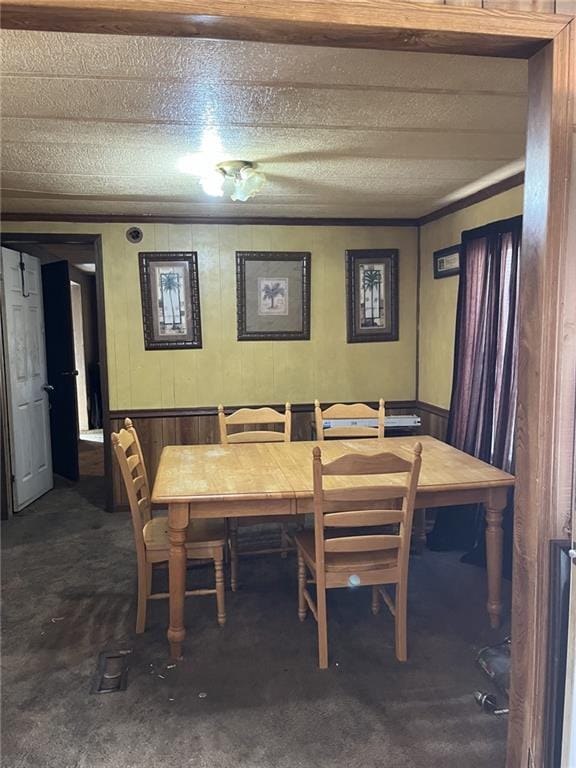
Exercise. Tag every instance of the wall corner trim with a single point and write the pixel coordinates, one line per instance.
(477, 197)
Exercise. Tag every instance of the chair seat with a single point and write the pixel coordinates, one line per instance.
(345, 561)
(200, 533)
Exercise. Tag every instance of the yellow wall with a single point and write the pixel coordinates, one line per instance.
(438, 297)
(233, 372)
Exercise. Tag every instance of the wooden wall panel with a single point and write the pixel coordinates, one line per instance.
(534, 6)
(465, 3)
(542, 6)
(545, 371)
(434, 420)
(567, 7)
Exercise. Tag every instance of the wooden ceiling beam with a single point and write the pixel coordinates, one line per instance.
(378, 24)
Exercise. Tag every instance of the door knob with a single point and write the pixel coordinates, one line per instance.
(48, 388)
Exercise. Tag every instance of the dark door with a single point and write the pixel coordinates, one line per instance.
(61, 367)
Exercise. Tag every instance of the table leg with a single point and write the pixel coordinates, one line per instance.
(177, 525)
(494, 537)
(419, 530)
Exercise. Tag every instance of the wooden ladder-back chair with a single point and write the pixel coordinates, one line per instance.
(363, 411)
(350, 412)
(205, 539)
(358, 558)
(262, 419)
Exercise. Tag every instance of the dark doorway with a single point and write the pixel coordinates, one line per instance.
(62, 370)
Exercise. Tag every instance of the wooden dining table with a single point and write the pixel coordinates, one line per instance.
(263, 479)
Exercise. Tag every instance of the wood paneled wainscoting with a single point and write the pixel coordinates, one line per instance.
(434, 420)
(198, 426)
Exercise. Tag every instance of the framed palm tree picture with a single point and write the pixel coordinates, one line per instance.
(170, 300)
(273, 295)
(372, 295)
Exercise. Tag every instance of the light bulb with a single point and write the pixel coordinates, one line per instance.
(239, 195)
(246, 172)
(213, 183)
(249, 183)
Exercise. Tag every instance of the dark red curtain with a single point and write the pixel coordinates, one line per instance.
(484, 390)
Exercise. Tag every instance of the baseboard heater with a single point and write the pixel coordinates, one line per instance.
(400, 421)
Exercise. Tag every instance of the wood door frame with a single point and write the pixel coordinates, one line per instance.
(546, 348)
(21, 238)
(384, 24)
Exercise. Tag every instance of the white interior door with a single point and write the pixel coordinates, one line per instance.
(79, 354)
(26, 361)
(569, 730)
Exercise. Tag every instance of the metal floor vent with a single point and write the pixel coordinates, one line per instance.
(112, 672)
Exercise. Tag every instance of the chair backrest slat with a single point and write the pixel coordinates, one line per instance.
(369, 467)
(370, 543)
(256, 416)
(128, 451)
(249, 417)
(367, 464)
(354, 495)
(352, 413)
(126, 439)
(133, 461)
(256, 436)
(362, 518)
(139, 483)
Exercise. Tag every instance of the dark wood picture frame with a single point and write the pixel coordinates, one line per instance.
(247, 333)
(191, 336)
(443, 253)
(388, 258)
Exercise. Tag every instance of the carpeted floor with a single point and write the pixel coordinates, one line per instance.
(69, 587)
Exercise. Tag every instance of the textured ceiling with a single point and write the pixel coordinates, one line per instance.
(97, 124)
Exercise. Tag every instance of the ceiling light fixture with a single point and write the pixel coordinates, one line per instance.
(237, 178)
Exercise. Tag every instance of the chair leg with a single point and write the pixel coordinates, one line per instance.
(285, 541)
(301, 587)
(144, 589)
(149, 572)
(234, 555)
(400, 626)
(375, 601)
(322, 627)
(220, 589)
